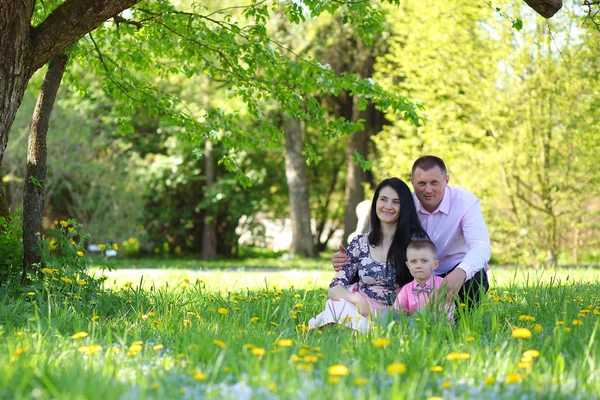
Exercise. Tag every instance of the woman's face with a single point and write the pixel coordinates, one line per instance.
(388, 206)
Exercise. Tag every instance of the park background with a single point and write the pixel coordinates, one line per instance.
(212, 147)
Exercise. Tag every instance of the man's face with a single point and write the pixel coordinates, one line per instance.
(429, 187)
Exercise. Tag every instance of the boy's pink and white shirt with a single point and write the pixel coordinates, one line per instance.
(414, 296)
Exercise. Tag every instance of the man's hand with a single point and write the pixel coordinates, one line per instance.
(454, 281)
(340, 259)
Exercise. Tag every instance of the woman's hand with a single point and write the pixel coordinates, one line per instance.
(339, 259)
(363, 307)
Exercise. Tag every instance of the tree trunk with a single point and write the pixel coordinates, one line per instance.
(295, 171)
(355, 178)
(209, 226)
(35, 177)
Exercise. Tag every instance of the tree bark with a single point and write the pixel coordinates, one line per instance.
(295, 171)
(35, 176)
(546, 8)
(209, 226)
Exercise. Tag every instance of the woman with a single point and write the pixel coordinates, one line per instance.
(368, 284)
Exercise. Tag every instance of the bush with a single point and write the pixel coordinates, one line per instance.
(11, 248)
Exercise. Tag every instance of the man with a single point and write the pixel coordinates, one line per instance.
(452, 218)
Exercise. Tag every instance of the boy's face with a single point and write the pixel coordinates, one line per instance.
(421, 263)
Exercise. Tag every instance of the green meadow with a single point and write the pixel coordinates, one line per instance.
(178, 331)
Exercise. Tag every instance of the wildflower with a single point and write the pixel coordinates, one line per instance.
(577, 322)
(258, 351)
(490, 380)
(538, 328)
(524, 364)
(95, 318)
(338, 370)
(47, 270)
(274, 323)
(437, 368)
(334, 380)
(526, 318)
(446, 385)
(79, 335)
(469, 339)
(157, 347)
(222, 311)
(219, 343)
(531, 353)
(381, 342)
(361, 381)
(115, 247)
(514, 378)
(30, 293)
(434, 398)
(81, 282)
(567, 329)
(89, 350)
(199, 376)
(101, 246)
(284, 342)
(64, 223)
(66, 280)
(521, 333)
(458, 356)
(253, 319)
(155, 386)
(396, 369)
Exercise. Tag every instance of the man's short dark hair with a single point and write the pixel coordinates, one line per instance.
(421, 244)
(427, 162)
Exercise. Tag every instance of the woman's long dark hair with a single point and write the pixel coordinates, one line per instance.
(407, 228)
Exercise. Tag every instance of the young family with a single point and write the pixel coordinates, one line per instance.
(419, 245)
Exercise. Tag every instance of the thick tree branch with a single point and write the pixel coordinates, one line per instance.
(70, 22)
(546, 8)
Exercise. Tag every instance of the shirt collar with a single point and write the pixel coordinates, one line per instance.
(443, 207)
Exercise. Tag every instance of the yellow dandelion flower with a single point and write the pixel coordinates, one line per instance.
(135, 348)
(526, 318)
(95, 318)
(567, 329)
(155, 386)
(381, 342)
(304, 367)
(560, 322)
(311, 359)
(295, 358)
(334, 380)
(538, 328)
(437, 368)
(47, 270)
(81, 282)
(521, 333)
(199, 376)
(396, 369)
(338, 370)
(253, 319)
(469, 339)
(258, 351)
(514, 378)
(64, 223)
(446, 385)
(524, 364)
(80, 253)
(79, 335)
(284, 342)
(434, 398)
(531, 353)
(360, 381)
(101, 246)
(490, 380)
(66, 280)
(157, 347)
(219, 343)
(223, 311)
(577, 322)
(458, 356)
(115, 247)
(30, 293)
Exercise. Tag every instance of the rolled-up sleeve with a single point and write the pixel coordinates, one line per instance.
(477, 240)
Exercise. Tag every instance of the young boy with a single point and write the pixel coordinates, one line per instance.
(421, 260)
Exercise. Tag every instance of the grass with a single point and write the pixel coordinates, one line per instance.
(225, 333)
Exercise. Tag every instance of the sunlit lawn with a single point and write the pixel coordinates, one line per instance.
(238, 333)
